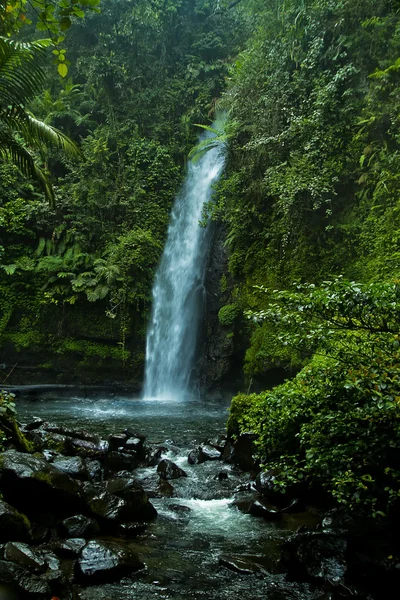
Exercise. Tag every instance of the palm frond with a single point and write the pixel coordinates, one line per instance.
(11, 149)
(21, 74)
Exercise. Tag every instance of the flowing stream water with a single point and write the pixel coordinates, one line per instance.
(178, 291)
(183, 546)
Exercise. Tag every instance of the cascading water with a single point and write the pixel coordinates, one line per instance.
(178, 289)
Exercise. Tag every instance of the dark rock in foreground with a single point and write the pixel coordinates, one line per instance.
(13, 525)
(106, 561)
(35, 486)
(169, 470)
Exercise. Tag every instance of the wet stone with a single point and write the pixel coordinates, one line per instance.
(208, 452)
(154, 457)
(260, 508)
(79, 526)
(130, 433)
(169, 470)
(120, 461)
(73, 466)
(179, 508)
(94, 469)
(135, 444)
(194, 457)
(35, 486)
(24, 556)
(13, 525)
(131, 530)
(102, 504)
(25, 583)
(138, 506)
(86, 448)
(107, 561)
(165, 489)
(117, 440)
(70, 548)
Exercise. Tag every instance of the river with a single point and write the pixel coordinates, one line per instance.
(194, 529)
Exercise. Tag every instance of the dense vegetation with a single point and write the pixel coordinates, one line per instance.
(309, 203)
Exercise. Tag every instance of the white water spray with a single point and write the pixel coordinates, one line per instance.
(178, 290)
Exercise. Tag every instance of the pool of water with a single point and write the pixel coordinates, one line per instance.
(183, 547)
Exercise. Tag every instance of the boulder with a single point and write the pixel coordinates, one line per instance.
(24, 556)
(13, 525)
(194, 457)
(138, 507)
(116, 441)
(106, 561)
(86, 448)
(208, 452)
(165, 489)
(169, 470)
(240, 451)
(155, 456)
(94, 469)
(265, 484)
(70, 548)
(78, 526)
(73, 466)
(36, 487)
(316, 556)
(103, 505)
(120, 461)
(24, 582)
(261, 508)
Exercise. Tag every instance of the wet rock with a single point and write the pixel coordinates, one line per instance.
(13, 525)
(120, 461)
(107, 561)
(73, 466)
(154, 457)
(24, 556)
(86, 448)
(169, 470)
(78, 526)
(94, 470)
(40, 534)
(131, 433)
(70, 548)
(134, 444)
(240, 451)
(208, 452)
(317, 556)
(35, 424)
(52, 441)
(26, 583)
(238, 564)
(72, 433)
(34, 486)
(104, 505)
(165, 489)
(117, 440)
(138, 507)
(194, 457)
(265, 483)
(260, 508)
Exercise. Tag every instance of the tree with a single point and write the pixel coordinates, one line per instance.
(22, 136)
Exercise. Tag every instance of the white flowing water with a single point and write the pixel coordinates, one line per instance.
(178, 291)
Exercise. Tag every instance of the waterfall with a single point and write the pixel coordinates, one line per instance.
(178, 290)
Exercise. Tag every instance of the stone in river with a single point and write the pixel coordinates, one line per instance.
(260, 508)
(24, 556)
(70, 548)
(78, 526)
(72, 465)
(138, 507)
(169, 470)
(13, 525)
(34, 486)
(208, 452)
(107, 561)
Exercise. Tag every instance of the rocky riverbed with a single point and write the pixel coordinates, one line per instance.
(96, 516)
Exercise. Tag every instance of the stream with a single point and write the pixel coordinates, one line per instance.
(182, 548)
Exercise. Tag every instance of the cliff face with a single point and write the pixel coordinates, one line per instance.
(220, 363)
